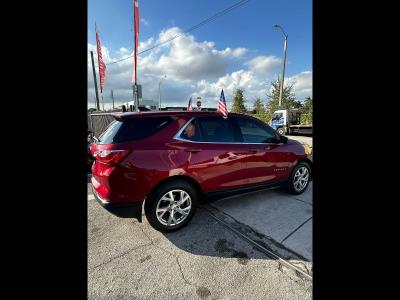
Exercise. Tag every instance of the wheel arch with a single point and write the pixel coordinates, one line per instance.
(188, 179)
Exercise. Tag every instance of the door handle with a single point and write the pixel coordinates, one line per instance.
(192, 150)
(253, 150)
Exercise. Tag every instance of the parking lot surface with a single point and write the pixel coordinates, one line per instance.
(205, 260)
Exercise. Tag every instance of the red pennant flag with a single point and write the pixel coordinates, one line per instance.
(136, 21)
(102, 66)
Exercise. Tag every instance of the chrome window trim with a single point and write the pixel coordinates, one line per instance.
(178, 138)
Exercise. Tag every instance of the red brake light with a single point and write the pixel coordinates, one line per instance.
(92, 148)
(110, 157)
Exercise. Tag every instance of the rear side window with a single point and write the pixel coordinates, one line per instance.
(216, 129)
(133, 129)
(191, 132)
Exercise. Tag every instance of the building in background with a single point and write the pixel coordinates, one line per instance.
(150, 104)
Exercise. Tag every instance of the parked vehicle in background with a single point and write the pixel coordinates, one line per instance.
(172, 161)
(288, 122)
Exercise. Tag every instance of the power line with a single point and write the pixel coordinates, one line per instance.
(202, 23)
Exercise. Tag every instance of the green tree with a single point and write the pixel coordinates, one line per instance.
(307, 111)
(288, 96)
(238, 102)
(308, 105)
(90, 110)
(258, 106)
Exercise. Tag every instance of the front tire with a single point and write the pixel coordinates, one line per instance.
(171, 206)
(299, 179)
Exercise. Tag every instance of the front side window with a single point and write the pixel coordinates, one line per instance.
(255, 132)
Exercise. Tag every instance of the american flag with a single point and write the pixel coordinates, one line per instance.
(222, 105)
(190, 108)
(102, 66)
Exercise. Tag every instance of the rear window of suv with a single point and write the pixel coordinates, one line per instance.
(133, 129)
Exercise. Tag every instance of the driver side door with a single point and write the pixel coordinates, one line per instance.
(268, 161)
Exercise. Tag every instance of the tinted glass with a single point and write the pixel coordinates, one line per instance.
(132, 129)
(107, 136)
(255, 132)
(191, 132)
(216, 129)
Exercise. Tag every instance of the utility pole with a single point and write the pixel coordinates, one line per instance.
(112, 97)
(283, 63)
(135, 97)
(95, 83)
(159, 91)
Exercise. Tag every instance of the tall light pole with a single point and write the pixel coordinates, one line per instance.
(112, 97)
(159, 91)
(283, 63)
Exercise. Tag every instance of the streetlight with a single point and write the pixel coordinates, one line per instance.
(283, 63)
(159, 91)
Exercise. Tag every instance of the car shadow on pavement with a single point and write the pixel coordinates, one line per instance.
(207, 237)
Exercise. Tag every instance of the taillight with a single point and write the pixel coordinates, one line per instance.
(92, 148)
(110, 157)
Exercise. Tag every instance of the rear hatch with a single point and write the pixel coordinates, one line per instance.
(114, 145)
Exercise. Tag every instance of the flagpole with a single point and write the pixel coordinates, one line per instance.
(136, 25)
(102, 101)
(97, 104)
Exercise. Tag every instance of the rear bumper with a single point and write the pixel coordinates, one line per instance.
(122, 210)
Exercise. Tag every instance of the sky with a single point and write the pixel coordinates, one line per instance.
(240, 49)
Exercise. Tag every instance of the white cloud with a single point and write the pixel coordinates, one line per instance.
(264, 64)
(123, 52)
(196, 68)
(144, 21)
(302, 84)
(145, 45)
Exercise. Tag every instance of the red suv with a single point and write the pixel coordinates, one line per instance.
(171, 161)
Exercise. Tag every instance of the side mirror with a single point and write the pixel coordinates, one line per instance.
(283, 139)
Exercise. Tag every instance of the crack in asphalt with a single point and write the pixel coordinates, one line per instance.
(166, 251)
(118, 256)
(296, 229)
(300, 200)
(246, 229)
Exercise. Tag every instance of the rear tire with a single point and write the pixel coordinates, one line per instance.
(299, 179)
(281, 131)
(166, 213)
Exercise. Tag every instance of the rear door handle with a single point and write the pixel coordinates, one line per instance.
(253, 150)
(192, 150)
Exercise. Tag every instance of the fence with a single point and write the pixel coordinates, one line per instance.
(98, 122)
